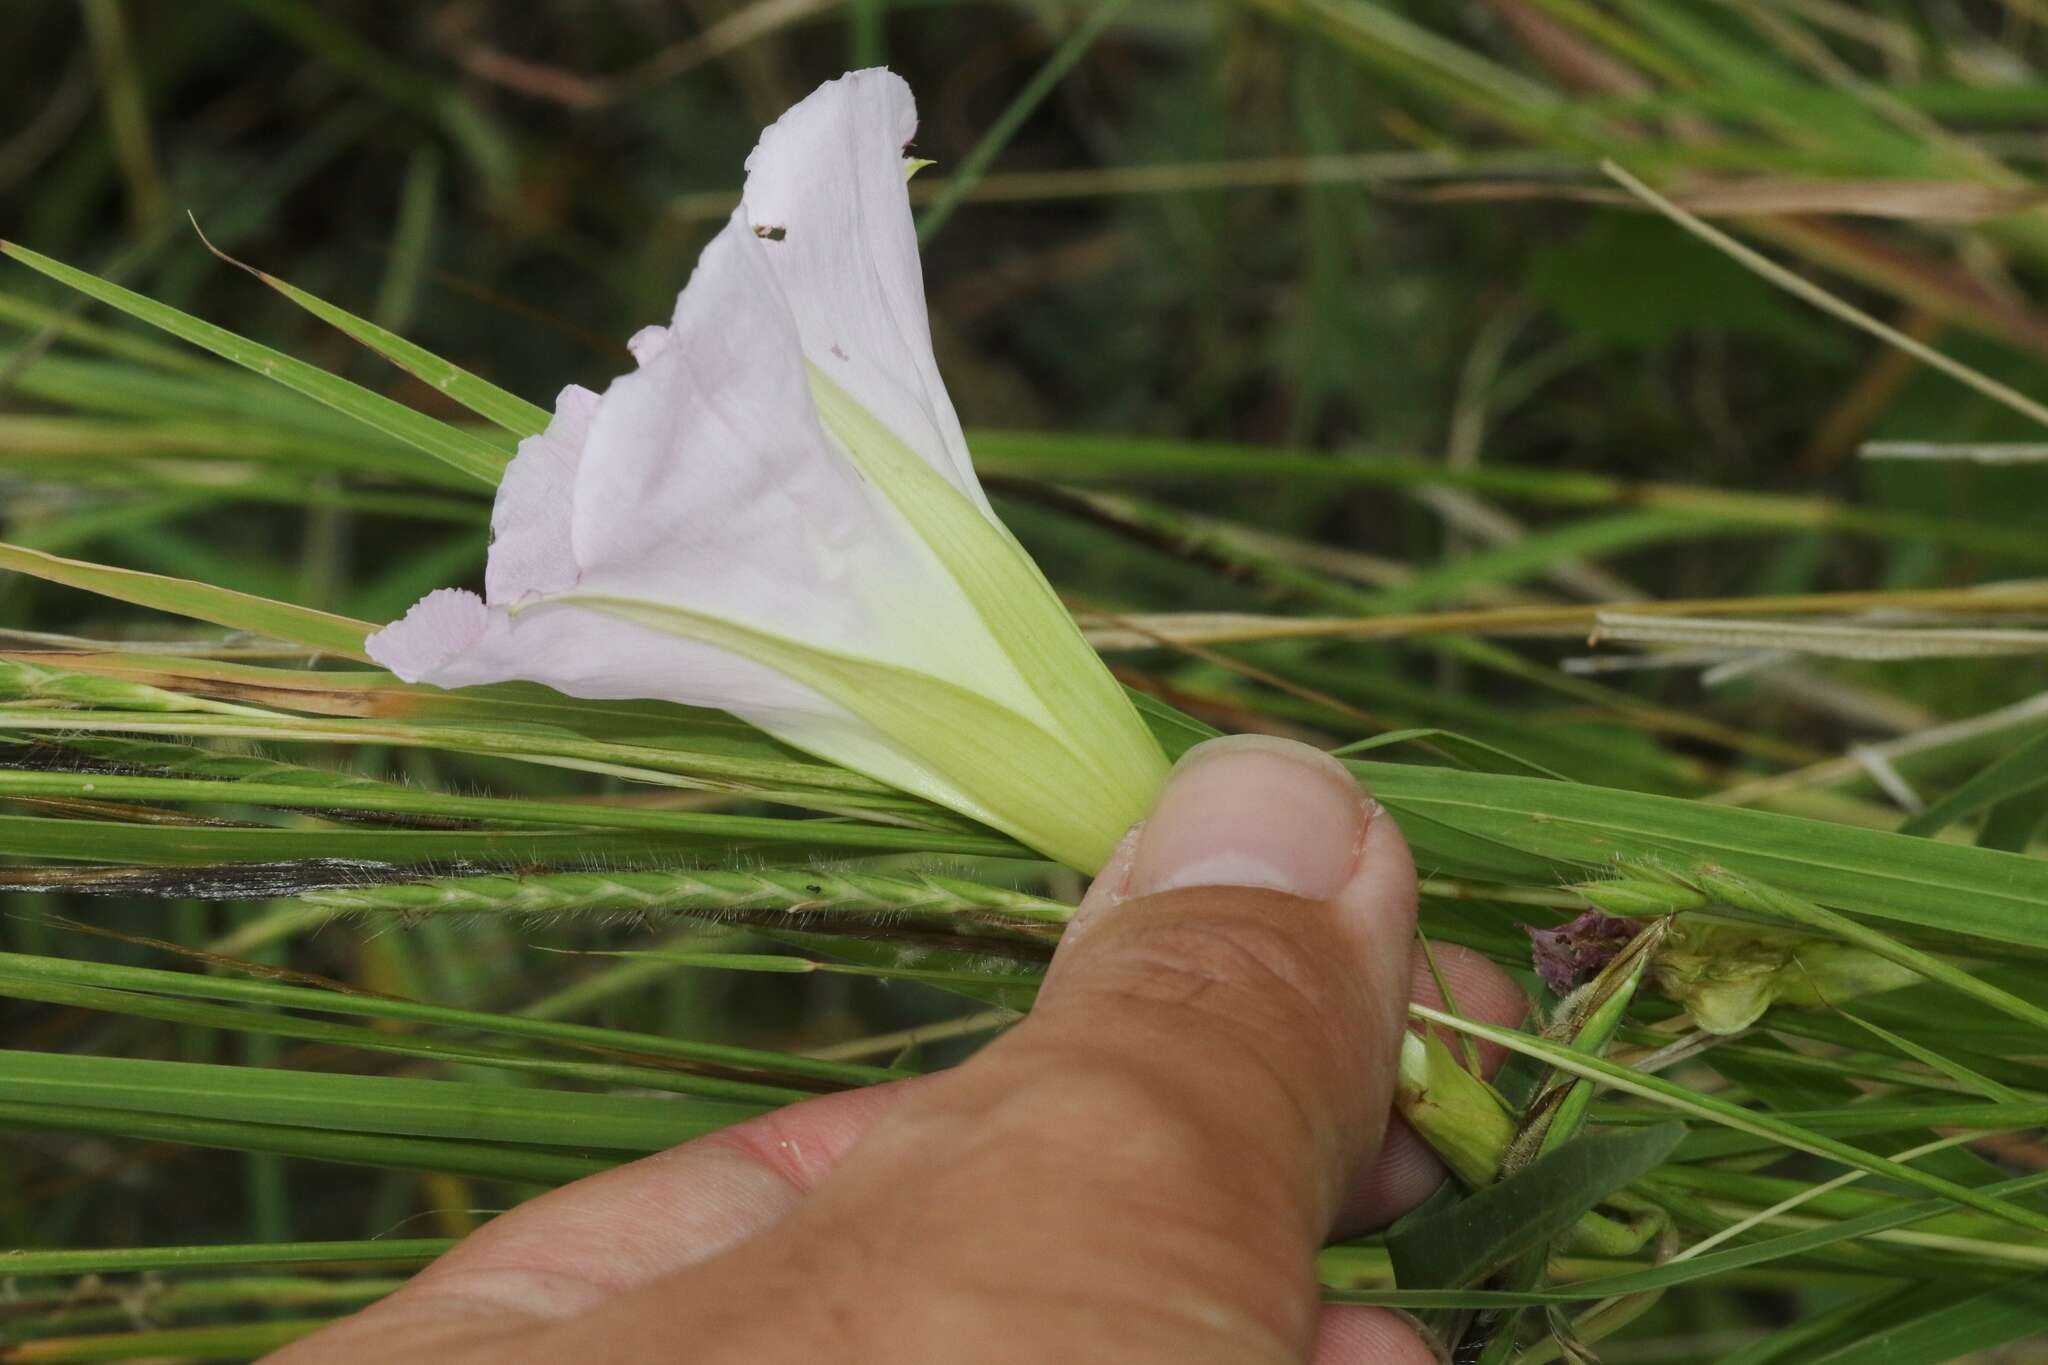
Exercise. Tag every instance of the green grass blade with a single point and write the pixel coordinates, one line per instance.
(334, 1102)
(478, 1160)
(617, 1042)
(266, 1024)
(1006, 125)
(135, 1260)
(2011, 776)
(1710, 1107)
(198, 845)
(1095, 458)
(1947, 1066)
(224, 1341)
(1978, 1322)
(401, 800)
(478, 459)
(1520, 830)
(319, 630)
(485, 399)
(1714, 1263)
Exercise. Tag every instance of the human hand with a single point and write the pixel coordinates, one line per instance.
(1141, 1170)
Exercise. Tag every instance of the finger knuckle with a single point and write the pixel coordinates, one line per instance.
(1254, 966)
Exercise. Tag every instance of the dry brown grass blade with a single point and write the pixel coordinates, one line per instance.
(1832, 304)
(315, 693)
(1573, 618)
(1838, 769)
(1945, 291)
(1379, 169)
(1927, 201)
(1184, 644)
(574, 90)
(1576, 62)
(1835, 640)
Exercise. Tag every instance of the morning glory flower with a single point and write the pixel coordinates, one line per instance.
(775, 514)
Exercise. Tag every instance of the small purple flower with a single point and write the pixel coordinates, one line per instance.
(1570, 953)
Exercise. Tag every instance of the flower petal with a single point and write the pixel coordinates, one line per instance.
(437, 631)
(530, 550)
(774, 514)
(450, 638)
(825, 197)
(708, 482)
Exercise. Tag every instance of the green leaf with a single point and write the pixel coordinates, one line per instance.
(400, 801)
(1931, 1057)
(1676, 286)
(2012, 823)
(1176, 731)
(40, 987)
(1496, 1225)
(1095, 458)
(1892, 1215)
(978, 976)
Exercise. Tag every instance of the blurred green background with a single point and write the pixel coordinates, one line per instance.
(1368, 233)
(1270, 223)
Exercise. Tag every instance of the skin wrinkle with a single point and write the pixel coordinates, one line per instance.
(1267, 982)
(1265, 1093)
(1171, 1243)
(777, 1147)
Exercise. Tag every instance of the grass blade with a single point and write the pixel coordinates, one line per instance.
(485, 399)
(479, 461)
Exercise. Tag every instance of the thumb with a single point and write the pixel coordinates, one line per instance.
(1244, 958)
(1143, 1168)
(1167, 1137)
(1164, 1142)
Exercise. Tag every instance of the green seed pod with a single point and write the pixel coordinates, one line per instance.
(1726, 974)
(1635, 898)
(1454, 1111)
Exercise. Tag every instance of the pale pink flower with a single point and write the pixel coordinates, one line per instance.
(775, 514)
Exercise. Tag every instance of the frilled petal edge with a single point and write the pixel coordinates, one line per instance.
(441, 627)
